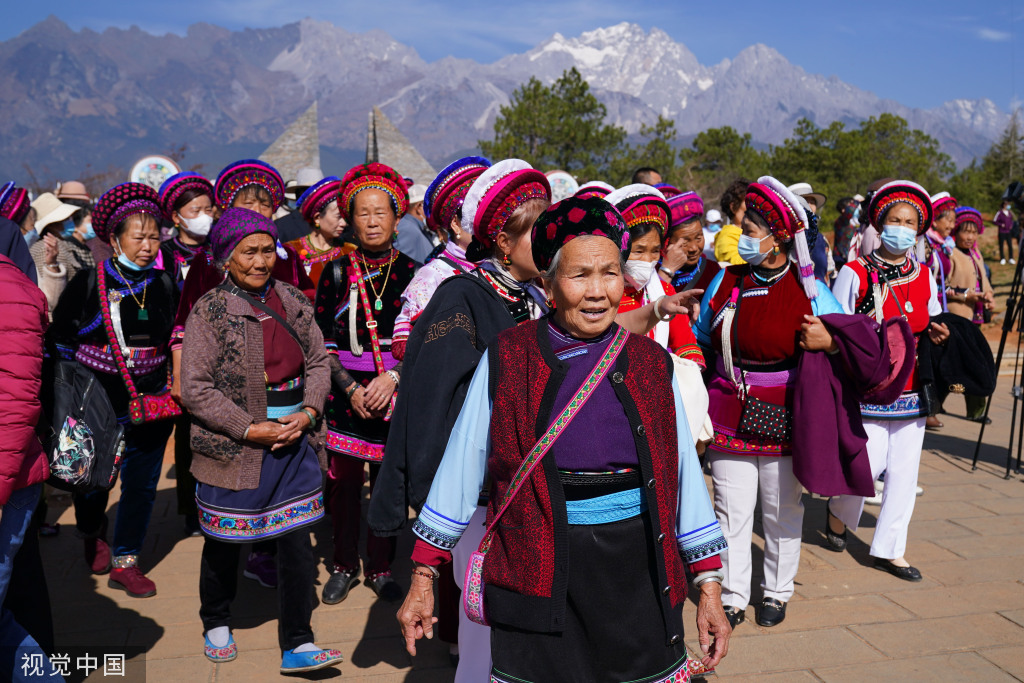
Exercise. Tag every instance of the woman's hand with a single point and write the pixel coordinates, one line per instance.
(176, 375)
(416, 616)
(358, 401)
(990, 300)
(938, 333)
(686, 302)
(294, 425)
(265, 433)
(674, 259)
(971, 297)
(51, 247)
(712, 622)
(814, 336)
(378, 393)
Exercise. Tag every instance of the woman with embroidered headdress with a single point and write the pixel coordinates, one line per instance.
(751, 321)
(442, 207)
(683, 263)
(465, 314)
(647, 215)
(357, 300)
(187, 201)
(255, 185)
(319, 207)
(16, 206)
(584, 576)
(886, 284)
(116, 320)
(935, 247)
(967, 289)
(256, 377)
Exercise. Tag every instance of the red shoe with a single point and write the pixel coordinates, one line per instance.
(132, 581)
(97, 555)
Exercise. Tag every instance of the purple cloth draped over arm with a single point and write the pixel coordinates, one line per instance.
(830, 454)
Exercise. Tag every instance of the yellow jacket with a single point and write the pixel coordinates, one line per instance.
(726, 244)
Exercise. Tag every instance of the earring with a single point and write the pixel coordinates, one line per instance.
(775, 250)
(506, 261)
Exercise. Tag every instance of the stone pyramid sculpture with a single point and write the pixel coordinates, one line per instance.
(384, 143)
(297, 147)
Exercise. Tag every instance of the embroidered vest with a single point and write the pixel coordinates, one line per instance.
(526, 569)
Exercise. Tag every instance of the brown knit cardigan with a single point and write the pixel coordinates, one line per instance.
(224, 388)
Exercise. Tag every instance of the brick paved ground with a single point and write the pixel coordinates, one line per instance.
(847, 622)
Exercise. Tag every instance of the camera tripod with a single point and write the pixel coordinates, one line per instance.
(1014, 319)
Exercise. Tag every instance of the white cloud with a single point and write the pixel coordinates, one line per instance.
(992, 35)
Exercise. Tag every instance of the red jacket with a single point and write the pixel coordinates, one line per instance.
(23, 319)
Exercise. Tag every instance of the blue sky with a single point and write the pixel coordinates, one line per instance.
(919, 53)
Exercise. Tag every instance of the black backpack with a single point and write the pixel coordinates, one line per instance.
(85, 446)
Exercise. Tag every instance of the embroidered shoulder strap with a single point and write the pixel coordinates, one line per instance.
(371, 324)
(563, 420)
(108, 325)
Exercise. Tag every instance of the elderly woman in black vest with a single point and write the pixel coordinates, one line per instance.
(597, 499)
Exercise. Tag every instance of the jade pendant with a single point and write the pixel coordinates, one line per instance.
(143, 314)
(377, 305)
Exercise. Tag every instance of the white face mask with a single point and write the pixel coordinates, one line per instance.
(198, 226)
(639, 272)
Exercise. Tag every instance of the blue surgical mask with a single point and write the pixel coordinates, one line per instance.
(89, 233)
(898, 239)
(69, 229)
(749, 249)
(31, 237)
(128, 264)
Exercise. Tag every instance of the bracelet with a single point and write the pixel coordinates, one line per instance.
(393, 375)
(715, 576)
(353, 388)
(310, 415)
(245, 435)
(666, 271)
(425, 575)
(657, 310)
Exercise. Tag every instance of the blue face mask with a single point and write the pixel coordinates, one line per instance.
(949, 243)
(749, 249)
(898, 239)
(128, 264)
(69, 229)
(31, 237)
(89, 233)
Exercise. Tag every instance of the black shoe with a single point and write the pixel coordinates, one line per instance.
(833, 541)
(385, 587)
(734, 615)
(772, 613)
(338, 585)
(192, 526)
(905, 573)
(981, 420)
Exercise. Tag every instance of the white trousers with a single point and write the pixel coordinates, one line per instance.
(736, 479)
(895, 448)
(474, 639)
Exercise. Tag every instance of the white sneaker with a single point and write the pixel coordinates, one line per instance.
(920, 491)
(1013, 261)
(1002, 262)
(874, 500)
(879, 486)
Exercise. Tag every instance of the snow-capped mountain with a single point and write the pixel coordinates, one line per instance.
(75, 98)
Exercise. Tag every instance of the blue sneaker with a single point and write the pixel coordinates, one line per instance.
(220, 654)
(297, 662)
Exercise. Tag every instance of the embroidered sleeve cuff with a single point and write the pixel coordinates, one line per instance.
(692, 352)
(66, 352)
(427, 554)
(437, 530)
(706, 565)
(702, 543)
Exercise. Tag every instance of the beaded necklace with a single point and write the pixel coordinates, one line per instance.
(684, 278)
